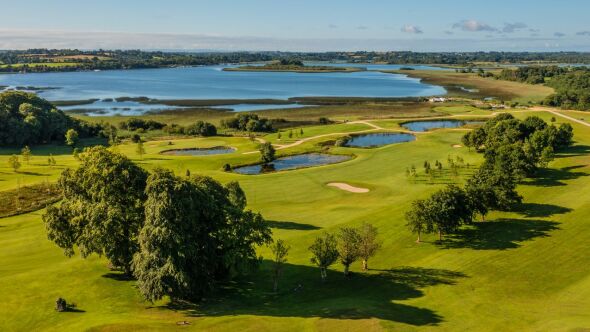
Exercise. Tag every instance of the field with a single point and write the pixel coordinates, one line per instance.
(487, 87)
(524, 270)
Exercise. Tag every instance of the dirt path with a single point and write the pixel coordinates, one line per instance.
(555, 112)
(349, 188)
(373, 126)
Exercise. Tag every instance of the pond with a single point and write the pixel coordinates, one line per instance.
(422, 126)
(293, 162)
(199, 151)
(378, 139)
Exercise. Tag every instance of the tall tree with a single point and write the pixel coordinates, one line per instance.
(368, 244)
(176, 254)
(102, 210)
(193, 236)
(267, 153)
(452, 209)
(325, 253)
(279, 250)
(419, 219)
(348, 247)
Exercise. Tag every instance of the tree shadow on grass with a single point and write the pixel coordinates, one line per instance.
(573, 151)
(536, 210)
(119, 276)
(291, 225)
(302, 294)
(551, 177)
(500, 234)
(33, 173)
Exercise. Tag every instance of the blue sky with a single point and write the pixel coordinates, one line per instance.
(419, 25)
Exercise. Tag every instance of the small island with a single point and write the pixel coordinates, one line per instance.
(292, 65)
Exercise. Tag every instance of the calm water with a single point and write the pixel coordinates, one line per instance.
(294, 162)
(199, 151)
(376, 140)
(434, 124)
(210, 82)
(259, 107)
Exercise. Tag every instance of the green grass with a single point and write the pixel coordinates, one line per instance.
(525, 270)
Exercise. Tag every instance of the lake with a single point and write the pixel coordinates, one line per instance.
(211, 82)
(378, 139)
(421, 126)
(199, 151)
(293, 162)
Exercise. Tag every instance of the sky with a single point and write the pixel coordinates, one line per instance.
(298, 25)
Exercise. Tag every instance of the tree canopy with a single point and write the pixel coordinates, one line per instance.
(177, 236)
(28, 119)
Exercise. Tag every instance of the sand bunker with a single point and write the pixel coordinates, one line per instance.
(456, 146)
(349, 188)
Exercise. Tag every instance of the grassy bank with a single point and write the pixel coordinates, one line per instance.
(487, 87)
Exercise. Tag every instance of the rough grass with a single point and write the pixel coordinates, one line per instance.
(27, 199)
(488, 87)
(298, 116)
(524, 270)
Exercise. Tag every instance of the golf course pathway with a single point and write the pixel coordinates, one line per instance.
(373, 126)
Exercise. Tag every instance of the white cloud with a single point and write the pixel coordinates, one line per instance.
(412, 29)
(473, 26)
(513, 27)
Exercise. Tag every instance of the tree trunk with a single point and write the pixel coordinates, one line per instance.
(440, 235)
(276, 284)
(323, 273)
(418, 240)
(346, 270)
(365, 265)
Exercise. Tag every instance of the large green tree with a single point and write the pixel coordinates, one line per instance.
(193, 235)
(102, 210)
(267, 153)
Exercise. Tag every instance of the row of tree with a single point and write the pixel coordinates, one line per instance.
(248, 122)
(199, 128)
(513, 149)
(129, 59)
(348, 245)
(177, 235)
(532, 74)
